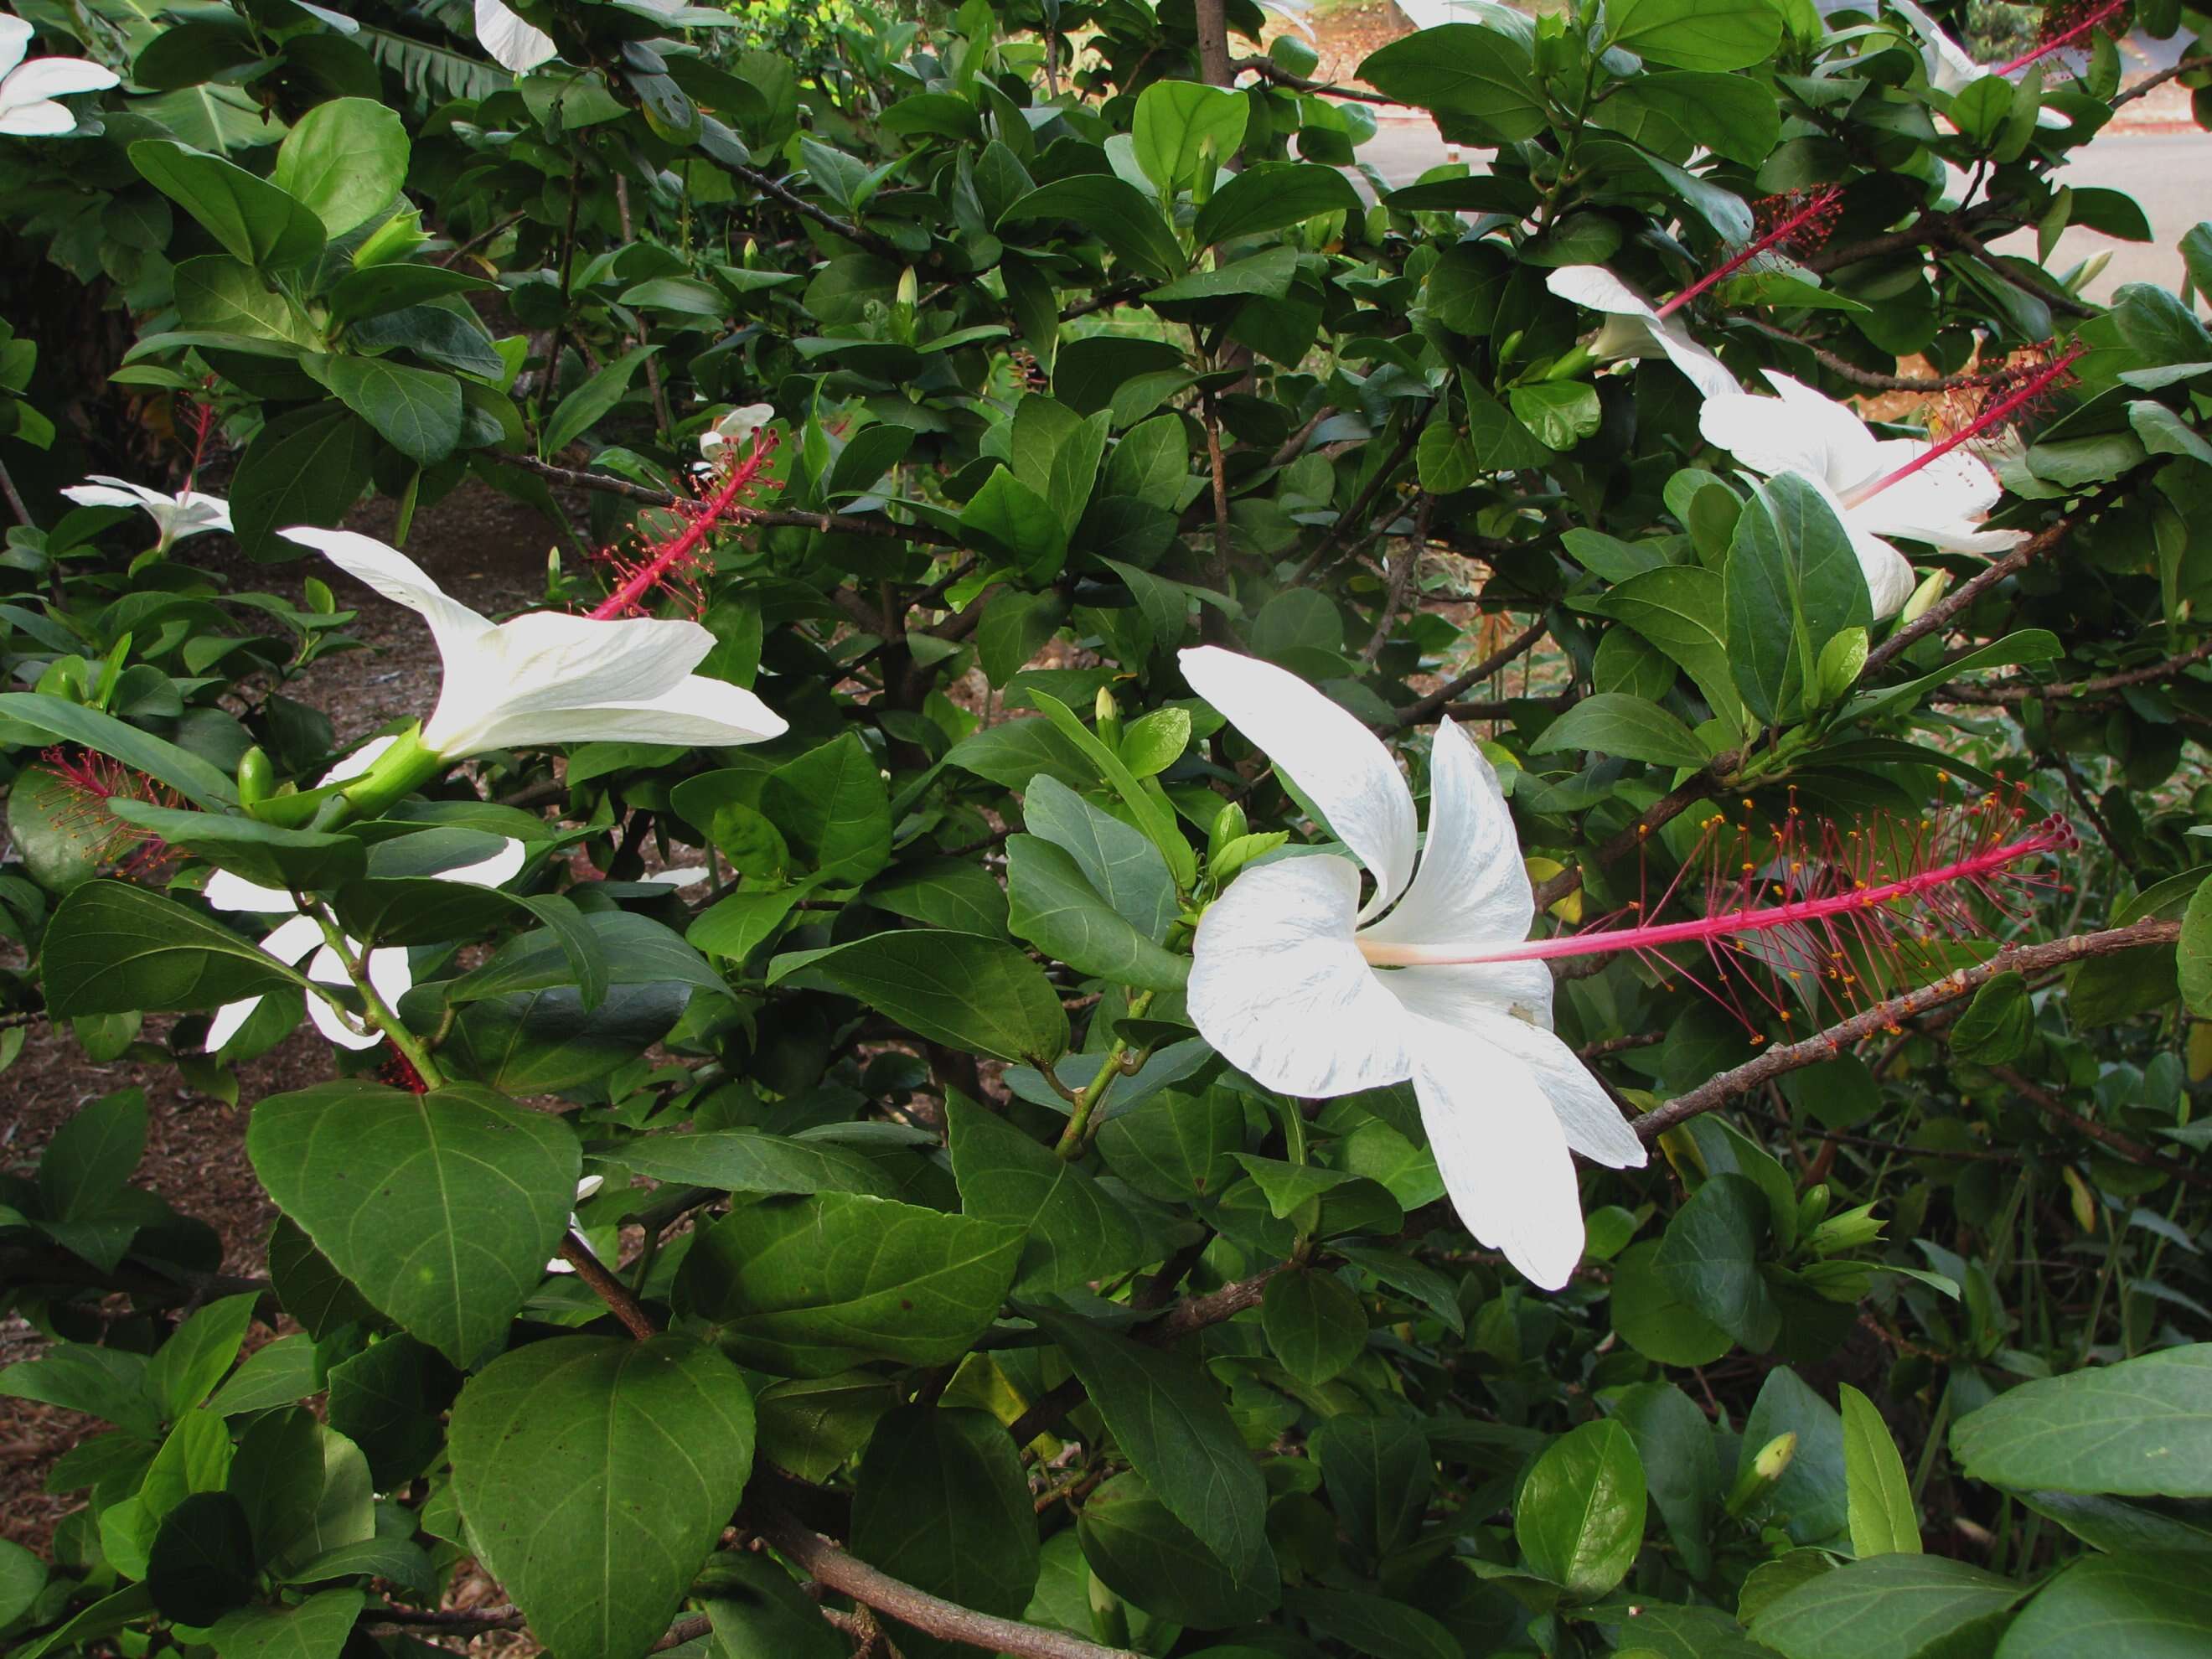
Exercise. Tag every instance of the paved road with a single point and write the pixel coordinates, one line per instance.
(2164, 172)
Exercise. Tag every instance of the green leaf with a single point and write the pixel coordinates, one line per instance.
(1121, 864)
(833, 809)
(1615, 723)
(1697, 34)
(1682, 1470)
(957, 988)
(2138, 1428)
(760, 1613)
(449, 1205)
(1997, 1025)
(1579, 1517)
(1793, 582)
(201, 1565)
(1115, 211)
(22, 1576)
(1709, 1259)
(307, 467)
(1053, 907)
(1143, 1553)
(1559, 415)
(114, 948)
(596, 1474)
(1179, 122)
(254, 219)
(316, 1629)
(186, 1369)
(1174, 1147)
(1075, 1233)
(416, 411)
(1017, 524)
(1268, 274)
(748, 1161)
(1891, 1604)
(802, 1285)
(1682, 609)
(1169, 1419)
(592, 401)
(1151, 810)
(2193, 958)
(2144, 1606)
(1379, 1475)
(1379, 1624)
(182, 771)
(83, 1168)
(1883, 1518)
(379, 290)
(2030, 644)
(345, 160)
(1315, 1325)
(942, 1503)
(1809, 1499)
(1273, 196)
(290, 858)
(1464, 69)
(217, 294)
(948, 893)
(1014, 752)
(630, 949)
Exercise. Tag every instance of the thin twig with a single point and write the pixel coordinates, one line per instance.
(2020, 691)
(1519, 646)
(2125, 1146)
(611, 1290)
(1939, 614)
(1404, 578)
(759, 517)
(2151, 82)
(1885, 1015)
(1356, 513)
(1268, 70)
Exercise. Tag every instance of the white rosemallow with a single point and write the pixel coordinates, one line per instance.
(549, 677)
(737, 428)
(387, 969)
(1634, 328)
(1312, 992)
(27, 91)
(1950, 68)
(1817, 440)
(188, 512)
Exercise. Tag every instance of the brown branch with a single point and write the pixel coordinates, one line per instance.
(883, 247)
(1939, 614)
(1405, 572)
(2127, 1147)
(829, 1565)
(1358, 510)
(1870, 379)
(759, 517)
(2151, 82)
(2020, 691)
(1105, 299)
(1519, 646)
(1268, 70)
(609, 1289)
(1883, 1016)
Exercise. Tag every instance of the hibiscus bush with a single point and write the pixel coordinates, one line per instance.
(1220, 907)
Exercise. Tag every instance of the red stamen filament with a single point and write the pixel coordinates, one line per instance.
(666, 559)
(2059, 42)
(2055, 836)
(1815, 209)
(1990, 418)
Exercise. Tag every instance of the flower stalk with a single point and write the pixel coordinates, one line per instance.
(2073, 35)
(1806, 216)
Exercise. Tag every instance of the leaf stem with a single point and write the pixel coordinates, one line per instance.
(1077, 1136)
(380, 1013)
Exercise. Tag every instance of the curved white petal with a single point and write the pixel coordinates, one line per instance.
(545, 663)
(1850, 452)
(1341, 766)
(358, 762)
(698, 711)
(735, 427)
(1460, 993)
(1599, 289)
(513, 44)
(1943, 504)
(690, 875)
(15, 40)
(1949, 67)
(1501, 1151)
(43, 119)
(54, 77)
(1889, 577)
(1592, 1123)
(493, 872)
(1712, 377)
(1277, 987)
(200, 514)
(1472, 888)
(101, 490)
(453, 626)
(226, 891)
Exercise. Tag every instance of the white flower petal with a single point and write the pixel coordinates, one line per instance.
(699, 712)
(1592, 1123)
(15, 40)
(513, 44)
(101, 490)
(1463, 992)
(1501, 1151)
(400, 579)
(1712, 377)
(1599, 289)
(292, 939)
(587, 1187)
(1277, 987)
(1950, 68)
(228, 1020)
(54, 77)
(1888, 573)
(493, 872)
(690, 875)
(1472, 888)
(546, 662)
(1341, 766)
(44, 119)
(357, 763)
(200, 514)
(226, 891)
